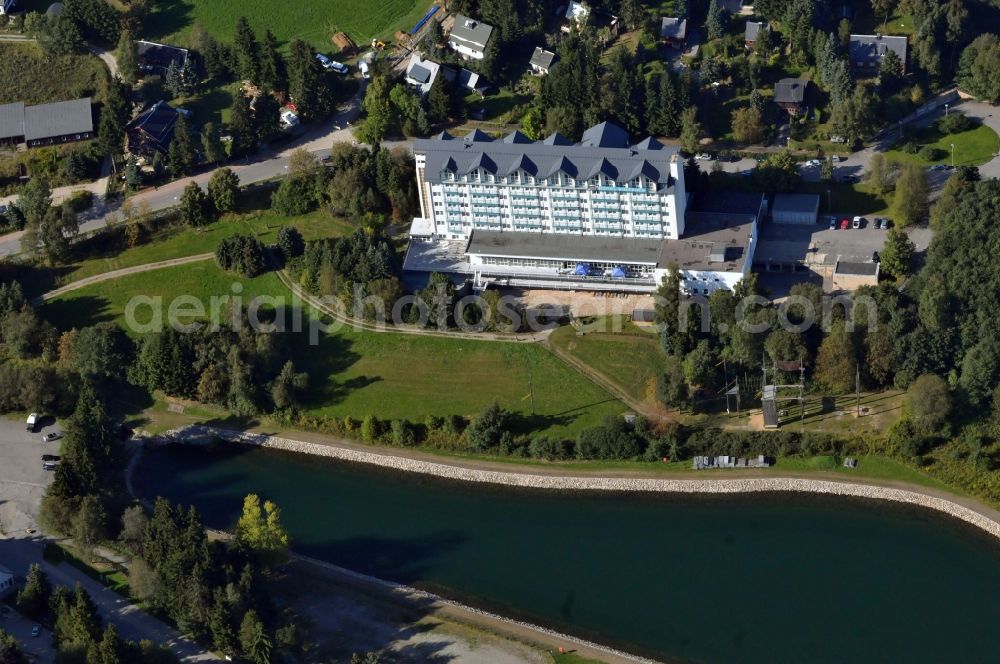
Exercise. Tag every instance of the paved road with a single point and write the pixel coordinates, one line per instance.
(266, 164)
(133, 623)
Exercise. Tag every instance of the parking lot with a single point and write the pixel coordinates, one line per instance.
(22, 479)
(38, 648)
(790, 248)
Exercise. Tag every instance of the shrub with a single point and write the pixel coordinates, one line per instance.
(954, 123)
(910, 147)
(931, 153)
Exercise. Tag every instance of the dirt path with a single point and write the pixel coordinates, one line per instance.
(123, 272)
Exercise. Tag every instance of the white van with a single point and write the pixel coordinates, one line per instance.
(32, 422)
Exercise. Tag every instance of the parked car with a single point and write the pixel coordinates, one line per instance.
(814, 163)
(835, 158)
(875, 257)
(51, 457)
(849, 179)
(845, 223)
(36, 631)
(49, 465)
(328, 64)
(833, 223)
(857, 222)
(289, 119)
(704, 156)
(746, 173)
(885, 224)
(939, 167)
(32, 422)
(363, 68)
(52, 435)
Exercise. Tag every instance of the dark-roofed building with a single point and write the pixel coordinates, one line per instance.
(866, 52)
(157, 58)
(752, 31)
(58, 122)
(152, 131)
(420, 73)
(850, 275)
(673, 30)
(802, 209)
(469, 37)
(12, 123)
(602, 214)
(790, 94)
(542, 61)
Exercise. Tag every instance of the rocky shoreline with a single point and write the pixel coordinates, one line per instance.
(203, 434)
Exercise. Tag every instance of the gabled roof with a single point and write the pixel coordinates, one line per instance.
(542, 59)
(673, 28)
(419, 73)
(790, 90)
(516, 137)
(516, 163)
(616, 159)
(444, 136)
(470, 31)
(153, 54)
(648, 143)
(870, 49)
(11, 120)
(605, 135)
(555, 138)
(62, 118)
(642, 168)
(753, 29)
(157, 123)
(477, 136)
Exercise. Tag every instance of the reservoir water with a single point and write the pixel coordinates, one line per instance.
(764, 578)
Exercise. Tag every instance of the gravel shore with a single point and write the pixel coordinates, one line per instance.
(197, 433)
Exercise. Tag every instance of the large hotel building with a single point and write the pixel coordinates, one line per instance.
(601, 214)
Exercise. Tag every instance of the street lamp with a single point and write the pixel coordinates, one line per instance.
(953, 155)
(946, 110)
(829, 201)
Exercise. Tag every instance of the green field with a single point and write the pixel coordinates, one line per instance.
(171, 243)
(631, 358)
(313, 21)
(357, 373)
(28, 74)
(972, 148)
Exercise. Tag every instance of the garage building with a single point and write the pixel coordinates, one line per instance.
(795, 209)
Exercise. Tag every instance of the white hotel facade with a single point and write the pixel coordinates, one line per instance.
(601, 214)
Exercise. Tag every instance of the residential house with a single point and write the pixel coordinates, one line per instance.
(469, 37)
(752, 30)
(6, 6)
(420, 73)
(576, 14)
(673, 31)
(152, 131)
(866, 52)
(156, 58)
(542, 61)
(790, 94)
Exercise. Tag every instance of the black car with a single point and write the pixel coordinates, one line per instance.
(849, 179)
(50, 457)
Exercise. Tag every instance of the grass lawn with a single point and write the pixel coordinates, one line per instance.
(28, 74)
(497, 104)
(172, 243)
(630, 358)
(357, 373)
(314, 21)
(973, 147)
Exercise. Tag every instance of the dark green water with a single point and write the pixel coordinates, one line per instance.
(724, 579)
